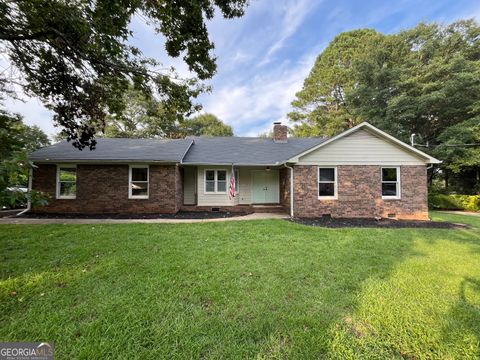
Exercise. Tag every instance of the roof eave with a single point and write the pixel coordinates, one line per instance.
(102, 161)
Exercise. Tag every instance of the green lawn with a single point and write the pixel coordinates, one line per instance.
(264, 289)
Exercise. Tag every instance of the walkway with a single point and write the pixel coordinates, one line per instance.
(22, 221)
(461, 212)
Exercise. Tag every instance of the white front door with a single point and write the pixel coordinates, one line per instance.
(265, 187)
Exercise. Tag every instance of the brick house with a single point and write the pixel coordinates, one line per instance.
(362, 172)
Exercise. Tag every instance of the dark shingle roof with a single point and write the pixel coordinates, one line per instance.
(117, 150)
(205, 150)
(245, 150)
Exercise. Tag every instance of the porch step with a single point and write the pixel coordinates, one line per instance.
(272, 209)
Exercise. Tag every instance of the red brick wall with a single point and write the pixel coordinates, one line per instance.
(104, 189)
(359, 193)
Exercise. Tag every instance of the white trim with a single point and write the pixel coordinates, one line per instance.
(57, 190)
(130, 167)
(215, 181)
(428, 159)
(399, 192)
(335, 184)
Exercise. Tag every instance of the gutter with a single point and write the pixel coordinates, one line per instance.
(291, 188)
(29, 200)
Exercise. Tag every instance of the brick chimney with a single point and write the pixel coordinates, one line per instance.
(279, 132)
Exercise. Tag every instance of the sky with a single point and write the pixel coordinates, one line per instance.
(264, 56)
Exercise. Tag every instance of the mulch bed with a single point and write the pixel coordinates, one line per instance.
(372, 223)
(179, 215)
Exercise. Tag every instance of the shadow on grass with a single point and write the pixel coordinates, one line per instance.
(463, 320)
(261, 289)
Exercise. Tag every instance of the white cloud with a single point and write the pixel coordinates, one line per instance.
(293, 15)
(250, 107)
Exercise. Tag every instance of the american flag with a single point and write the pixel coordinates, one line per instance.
(231, 194)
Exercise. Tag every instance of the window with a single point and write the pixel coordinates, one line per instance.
(390, 182)
(66, 182)
(138, 182)
(327, 183)
(216, 181)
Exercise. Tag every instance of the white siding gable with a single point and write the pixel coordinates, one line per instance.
(360, 148)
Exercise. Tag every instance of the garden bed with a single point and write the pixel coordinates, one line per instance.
(372, 223)
(179, 215)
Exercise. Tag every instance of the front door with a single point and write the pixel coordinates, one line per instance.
(265, 188)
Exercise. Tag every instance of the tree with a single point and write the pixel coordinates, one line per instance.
(75, 55)
(15, 136)
(421, 81)
(143, 117)
(17, 141)
(321, 107)
(207, 125)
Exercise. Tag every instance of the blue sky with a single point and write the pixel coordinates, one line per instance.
(264, 56)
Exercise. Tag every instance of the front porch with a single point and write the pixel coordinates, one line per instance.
(258, 189)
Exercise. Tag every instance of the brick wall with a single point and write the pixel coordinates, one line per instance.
(359, 193)
(104, 189)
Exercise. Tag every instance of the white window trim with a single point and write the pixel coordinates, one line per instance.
(398, 196)
(335, 186)
(65, 166)
(215, 181)
(130, 167)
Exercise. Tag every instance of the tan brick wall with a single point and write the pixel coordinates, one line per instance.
(359, 193)
(104, 189)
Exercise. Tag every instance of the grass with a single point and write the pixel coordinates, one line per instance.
(264, 289)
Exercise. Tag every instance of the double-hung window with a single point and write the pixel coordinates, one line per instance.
(215, 181)
(327, 182)
(138, 182)
(391, 182)
(66, 182)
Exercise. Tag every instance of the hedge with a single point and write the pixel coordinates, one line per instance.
(454, 202)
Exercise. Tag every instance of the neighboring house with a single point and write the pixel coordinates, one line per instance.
(362, 172)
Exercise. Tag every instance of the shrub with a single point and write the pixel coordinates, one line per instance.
(454, 202)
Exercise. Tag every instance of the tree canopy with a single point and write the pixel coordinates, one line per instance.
(146, 117)
(425, 80)
(207, 125)
(76, 57)
(17, 141)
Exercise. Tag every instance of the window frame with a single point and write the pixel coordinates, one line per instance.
(397, 183)
(130, 195)
(58, 187)
(335, 183)
(215, 181)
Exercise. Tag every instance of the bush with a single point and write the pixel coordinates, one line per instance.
(454, 202)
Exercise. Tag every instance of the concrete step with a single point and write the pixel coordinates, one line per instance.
(272, 209)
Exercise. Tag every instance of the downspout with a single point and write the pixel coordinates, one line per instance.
(29, 198)
(291, 188)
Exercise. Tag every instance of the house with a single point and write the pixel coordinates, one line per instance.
(362, 172)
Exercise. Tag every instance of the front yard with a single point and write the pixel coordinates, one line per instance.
(263, 289)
